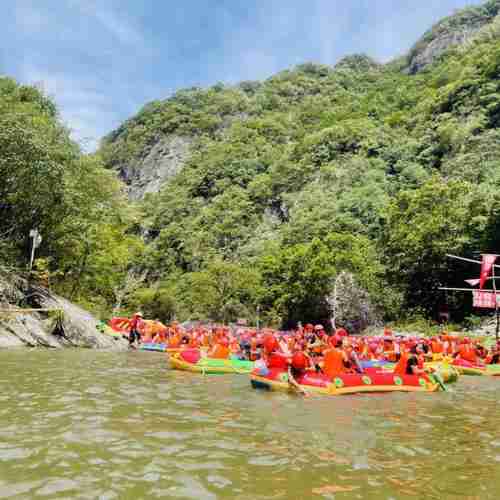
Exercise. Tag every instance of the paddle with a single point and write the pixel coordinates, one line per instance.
(437, 378)
(299, 390)
(296, 387)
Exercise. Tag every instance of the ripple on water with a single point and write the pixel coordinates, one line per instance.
(55, 486)
(10, 490)
(104, 434)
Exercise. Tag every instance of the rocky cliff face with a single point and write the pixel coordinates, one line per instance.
(454, 30)
(164, 160)
(76, 328)
(435, 48)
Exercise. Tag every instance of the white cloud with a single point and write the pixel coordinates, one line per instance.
(112, 19)
(82, 53)
(83, 108)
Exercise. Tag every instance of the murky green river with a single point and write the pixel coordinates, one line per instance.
(84, 424)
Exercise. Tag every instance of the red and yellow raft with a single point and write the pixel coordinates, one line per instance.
(370, 382)
(466, 368)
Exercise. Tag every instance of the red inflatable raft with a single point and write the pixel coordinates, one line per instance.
(371, 381)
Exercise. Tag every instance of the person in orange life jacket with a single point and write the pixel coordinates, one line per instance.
(352, 358)
(134, 337)
(415, 362)
(160, 332)
(466, 352)
(298, 366)
(283, 347)
(426, 350)
(390, 350)
(341, 332)
(493, 357)
(411, 362)
(308, 328)
(274, 358)
(234, 346)
(481, 352)
(194, 341)
(204, 338)
(186, 338)
(315, 346)
(436, 346)
(261, 365)
(220, 350)
(397, 350)
(335, 359)
(174, 337)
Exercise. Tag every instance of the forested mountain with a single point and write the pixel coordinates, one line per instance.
(256, 197)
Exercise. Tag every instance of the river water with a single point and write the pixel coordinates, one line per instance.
(86, 424)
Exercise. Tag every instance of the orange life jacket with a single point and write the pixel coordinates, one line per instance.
(194, 343)
(391, 356)
(175, 341)
(333, 362)
(467, 352)
(400, 368)
(160, 337)
(253, 349)
(437, 347)
(219, 352)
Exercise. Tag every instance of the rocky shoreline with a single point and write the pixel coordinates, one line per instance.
(59, 324)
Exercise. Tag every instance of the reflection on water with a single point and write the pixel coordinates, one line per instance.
(84, 424)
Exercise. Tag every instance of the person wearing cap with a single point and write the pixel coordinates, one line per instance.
(335, 359)
(467, 352)
(411, 363)
(493, 357)
(134, 337)
(220, 350)
(341, 332)
(297, 368)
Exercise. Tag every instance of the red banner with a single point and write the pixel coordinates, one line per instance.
(485, 300)
(486, 267)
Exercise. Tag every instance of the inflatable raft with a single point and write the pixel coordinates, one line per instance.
(191, 360)
(467, 368)
(151, 346)
(371, 382)
(447, 373)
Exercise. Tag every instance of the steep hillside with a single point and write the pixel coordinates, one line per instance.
(278, 187)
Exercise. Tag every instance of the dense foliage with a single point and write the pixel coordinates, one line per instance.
(76, 204)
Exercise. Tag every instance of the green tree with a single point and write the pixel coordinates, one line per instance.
(424, 225)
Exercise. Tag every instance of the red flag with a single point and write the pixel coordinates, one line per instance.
(473, 282)
(486, 267)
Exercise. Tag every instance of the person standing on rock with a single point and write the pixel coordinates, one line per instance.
(134, 338)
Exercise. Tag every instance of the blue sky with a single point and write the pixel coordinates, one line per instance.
(102, 60)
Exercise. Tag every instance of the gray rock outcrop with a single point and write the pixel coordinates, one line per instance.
(455, 30)
(72, 327)
(436, 47)
(163, 161)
